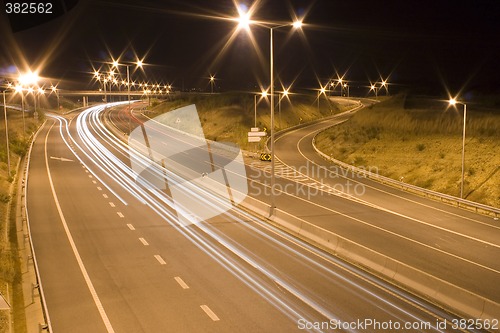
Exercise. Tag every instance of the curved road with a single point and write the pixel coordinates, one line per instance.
(450, 243)
(113, 257)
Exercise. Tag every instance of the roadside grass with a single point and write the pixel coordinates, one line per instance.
(423, 147)
(10, 269)
(228, 117)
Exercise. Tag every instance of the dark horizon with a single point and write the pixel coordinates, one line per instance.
(427, 47)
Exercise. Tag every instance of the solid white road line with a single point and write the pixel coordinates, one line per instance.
(181, 282)
(85, 274)
(209, 312)
(144, 242)
(160, 259)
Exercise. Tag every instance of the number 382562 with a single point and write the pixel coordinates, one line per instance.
(28, 8)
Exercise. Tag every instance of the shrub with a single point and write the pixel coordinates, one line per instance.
(420, 147)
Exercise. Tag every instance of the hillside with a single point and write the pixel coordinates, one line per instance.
(421, 144)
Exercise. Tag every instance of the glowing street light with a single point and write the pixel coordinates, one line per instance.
(375, 89)
(346, 87)
(212, 81)
(263, 94)
(385, 85)
(6, 131)
(280, 97)
(29, 78)
(138, 63)
(454, 102)
(55, 91)
(321, 91)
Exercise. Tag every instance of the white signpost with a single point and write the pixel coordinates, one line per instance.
(255, 135)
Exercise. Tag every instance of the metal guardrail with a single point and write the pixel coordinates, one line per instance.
(408, 187)
(47, 325)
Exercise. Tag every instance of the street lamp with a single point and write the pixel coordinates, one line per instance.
(374, 88)
(321, 91)
(39, 91)
(454, 102)
(263, 94)
(244, 22)
(19, 89)
(212, 81)
(385, 85)
(346, 87)
(281, 96)
(55, 91)
(139, 64)
(6, 132)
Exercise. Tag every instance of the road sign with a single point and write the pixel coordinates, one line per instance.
(254, 139)
(250, 134)
(254, 129)
(4, 305)
(265, 157)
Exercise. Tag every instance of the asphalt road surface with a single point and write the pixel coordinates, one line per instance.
(113, 256)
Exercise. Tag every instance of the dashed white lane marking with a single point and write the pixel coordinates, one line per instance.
(99, 188)
(130, 226)
(181, 282)
(112, 204)
(90, 176)
(160, 259)
(209, 312)
(94, 182)
(120, 214)
(144, 242)
(83, 270)
(87, 171)
(105, 196)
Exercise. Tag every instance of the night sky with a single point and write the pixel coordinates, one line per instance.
(425, 46)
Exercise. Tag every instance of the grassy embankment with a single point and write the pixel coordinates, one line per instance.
(228, 117)
(10, 268)
(421, 143)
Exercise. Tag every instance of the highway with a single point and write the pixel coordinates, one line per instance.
(464, 246)
(114, 257)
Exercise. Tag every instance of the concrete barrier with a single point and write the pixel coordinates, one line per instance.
(450, 297)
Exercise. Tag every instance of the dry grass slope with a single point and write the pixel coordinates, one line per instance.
(228, 117)
(423, 146)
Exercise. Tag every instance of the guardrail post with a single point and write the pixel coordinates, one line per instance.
(33, 287)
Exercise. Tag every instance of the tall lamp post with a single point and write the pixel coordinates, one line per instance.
(281, 96)
(322, 91)
(138, 63)
(55, 91)
(262, 94)
(19, 89)
(453, 101)
(386, 86)
(212, 81)
(6, 132)
(244, 21)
